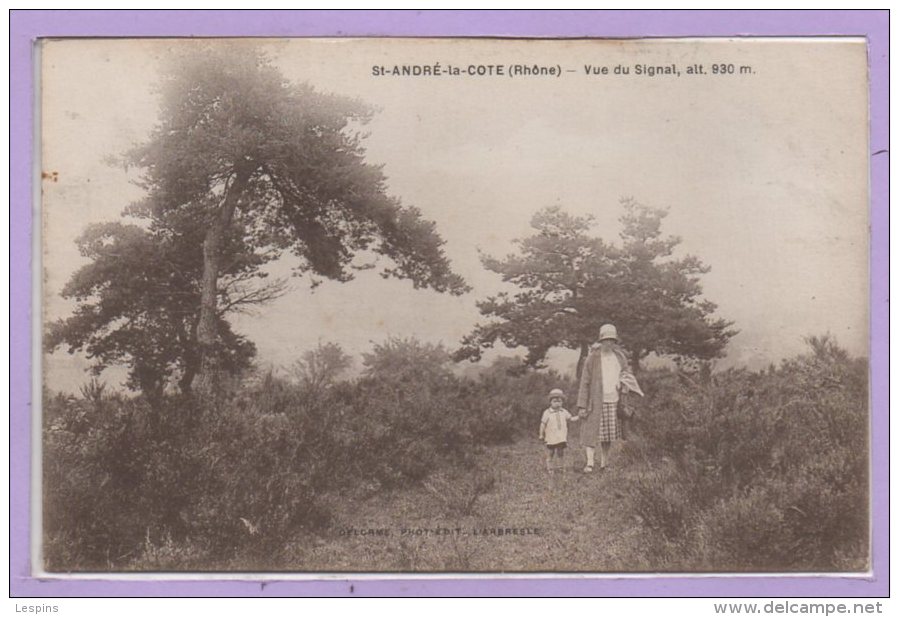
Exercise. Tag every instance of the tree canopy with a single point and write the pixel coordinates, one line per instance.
(241, 167)
(240, 148)
(138, 305)
(293, 163)
(570, 283)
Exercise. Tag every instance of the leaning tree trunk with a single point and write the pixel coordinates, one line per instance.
(190, 356)
(582, 359)
(191, 367)
(208, 339)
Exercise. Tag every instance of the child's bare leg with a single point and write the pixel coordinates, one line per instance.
(549, 459)
(561, 455)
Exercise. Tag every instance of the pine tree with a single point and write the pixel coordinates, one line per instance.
(570, 283)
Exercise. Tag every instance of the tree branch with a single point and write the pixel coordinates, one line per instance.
(254, 296)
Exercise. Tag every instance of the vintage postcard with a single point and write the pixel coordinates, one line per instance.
(454, 306)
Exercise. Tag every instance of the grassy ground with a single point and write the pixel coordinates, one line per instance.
(567, 521)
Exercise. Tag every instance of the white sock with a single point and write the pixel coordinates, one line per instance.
(590, 453)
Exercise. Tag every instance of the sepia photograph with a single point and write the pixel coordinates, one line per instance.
(453, 305)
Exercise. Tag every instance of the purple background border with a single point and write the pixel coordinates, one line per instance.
(25, 26)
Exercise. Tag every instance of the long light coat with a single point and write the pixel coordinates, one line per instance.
(590, 392)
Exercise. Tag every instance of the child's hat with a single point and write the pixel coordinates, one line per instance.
(556, 393)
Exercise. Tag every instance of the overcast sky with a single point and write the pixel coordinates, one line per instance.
(765, 174)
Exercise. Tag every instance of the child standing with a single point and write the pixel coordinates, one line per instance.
(554, 429)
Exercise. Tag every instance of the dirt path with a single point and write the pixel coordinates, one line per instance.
(529, 521)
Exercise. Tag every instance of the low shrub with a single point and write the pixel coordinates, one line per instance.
(758, 471)
(126, 484)
(661, 503)
(458, 491)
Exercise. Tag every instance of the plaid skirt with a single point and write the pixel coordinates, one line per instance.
(601, 425)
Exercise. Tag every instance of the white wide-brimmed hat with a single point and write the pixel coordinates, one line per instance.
(608, 331)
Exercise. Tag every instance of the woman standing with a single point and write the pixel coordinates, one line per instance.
(606, 376)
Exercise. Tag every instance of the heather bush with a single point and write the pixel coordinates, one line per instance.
(748, 532)
(108, 479)
(190, 482)
(509, 401)
(260, 480)
(662, 504)
(122, 480)
(756, 471)
(732, 470)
